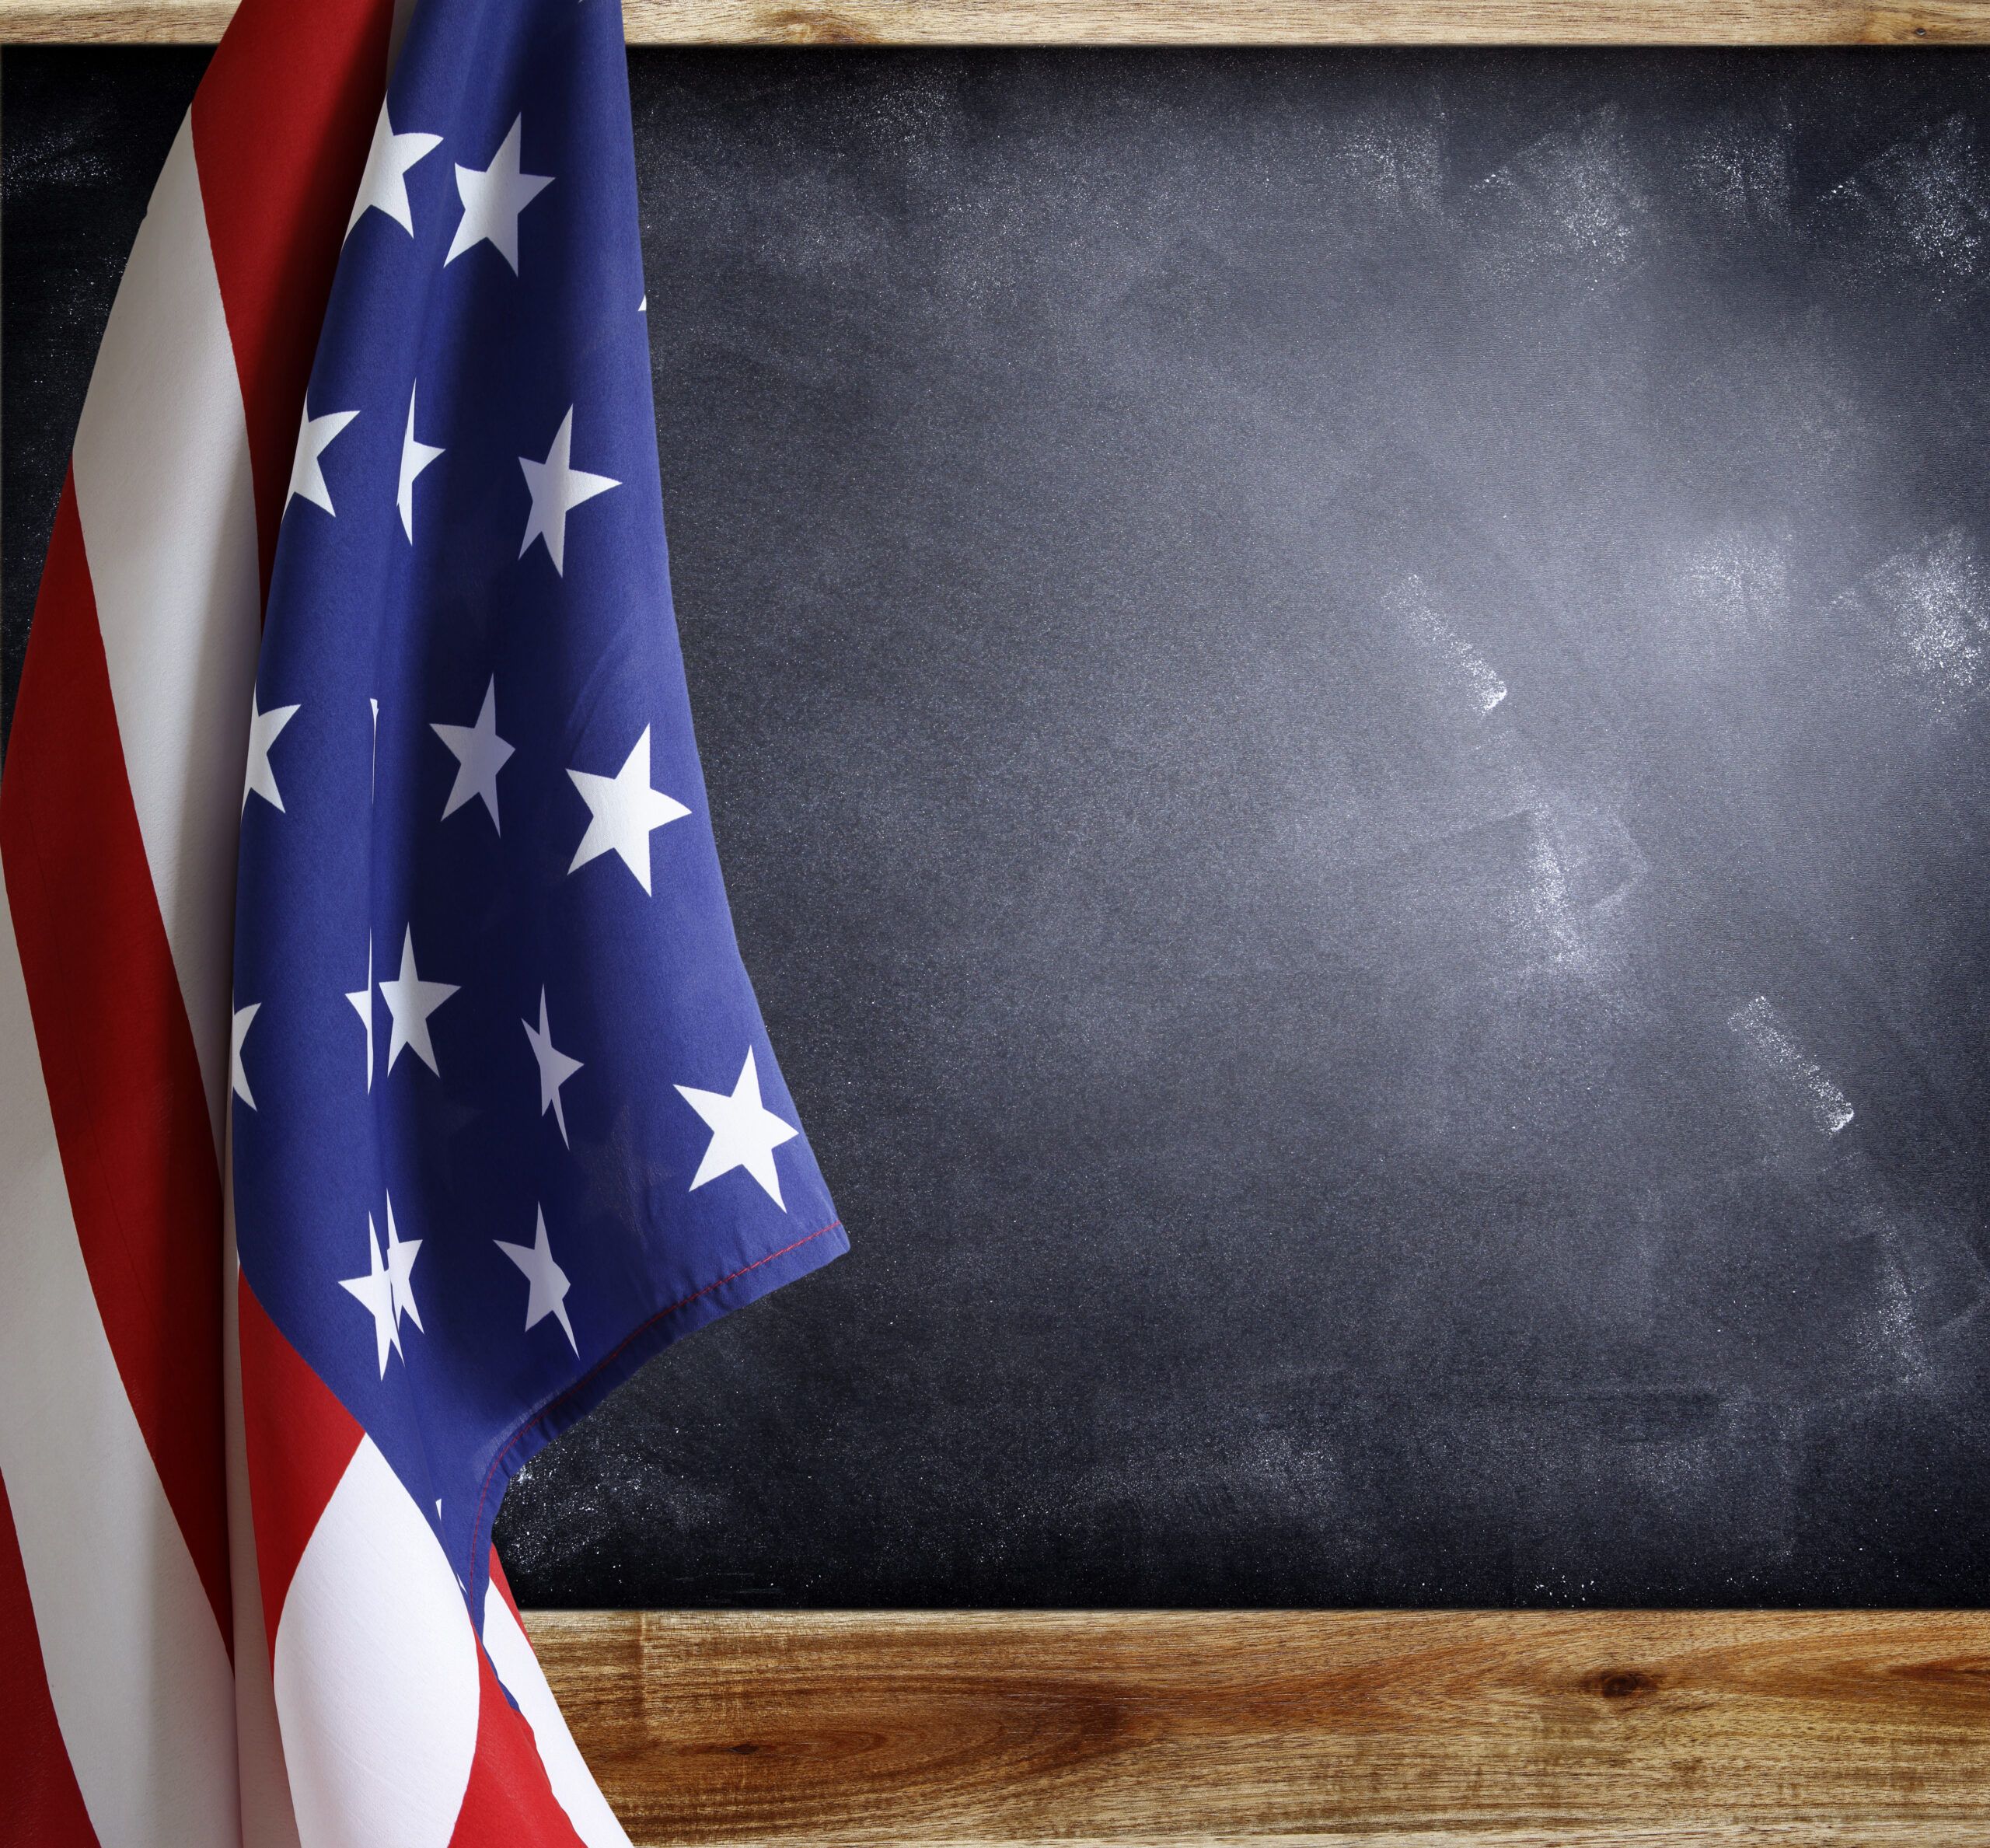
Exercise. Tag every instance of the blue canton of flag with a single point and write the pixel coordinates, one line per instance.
(505, 1118)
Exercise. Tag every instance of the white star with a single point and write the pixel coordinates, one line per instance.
(374, 1292)
(548, 1294)
(492, 200)
(415, 457)
(245, 1018)
(555, 1068)
(410, 1000)
(264, 728)
(744, 1133)
(401, 1254)
(624, 809)
(558, 488)
(307, 476)
(383, 187)
(480, 754)
(362, 1005)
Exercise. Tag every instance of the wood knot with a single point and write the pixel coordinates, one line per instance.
(1623, 1684)
(813, 26)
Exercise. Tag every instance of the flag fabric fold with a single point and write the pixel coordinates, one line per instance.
(380, 1081)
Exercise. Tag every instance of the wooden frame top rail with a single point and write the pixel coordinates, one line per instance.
(1139, 22)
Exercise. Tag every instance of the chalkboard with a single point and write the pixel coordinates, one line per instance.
(1346, 698)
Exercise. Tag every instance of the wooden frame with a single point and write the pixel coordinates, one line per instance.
(1439, 1729)
(1416, 1729)
(1140, 21)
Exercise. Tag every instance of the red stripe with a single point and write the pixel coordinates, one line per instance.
(282, 124)
(300, 1441)
(125, 1084)
(503, 1585)
(508, 1798)
(43, 1805)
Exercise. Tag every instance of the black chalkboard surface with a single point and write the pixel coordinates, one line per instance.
(1348, 701)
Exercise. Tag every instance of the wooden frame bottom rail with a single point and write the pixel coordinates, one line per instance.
(1412, 1729)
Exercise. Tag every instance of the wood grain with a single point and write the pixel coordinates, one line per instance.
(1140, 21)
(1438, 1729)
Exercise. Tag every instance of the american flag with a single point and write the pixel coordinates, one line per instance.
(364, 918)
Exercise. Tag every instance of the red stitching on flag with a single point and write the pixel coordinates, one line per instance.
(635, 1334)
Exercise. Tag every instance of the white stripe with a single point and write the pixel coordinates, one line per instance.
(511, 1655)
(267, 1820)
(169, 518)
(137, 1668)
(376, 1673)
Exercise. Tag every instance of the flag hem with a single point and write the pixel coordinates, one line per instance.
(650, 1338)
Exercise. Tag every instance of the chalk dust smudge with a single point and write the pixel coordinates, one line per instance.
(1575, 199)
(1742, 171)
(1397, 167)
(1740, 578)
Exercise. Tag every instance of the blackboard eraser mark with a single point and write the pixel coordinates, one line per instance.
(1760, 1029)
(1517, 892)
(1926, 612)
(1457, 661)
(1910, 215)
